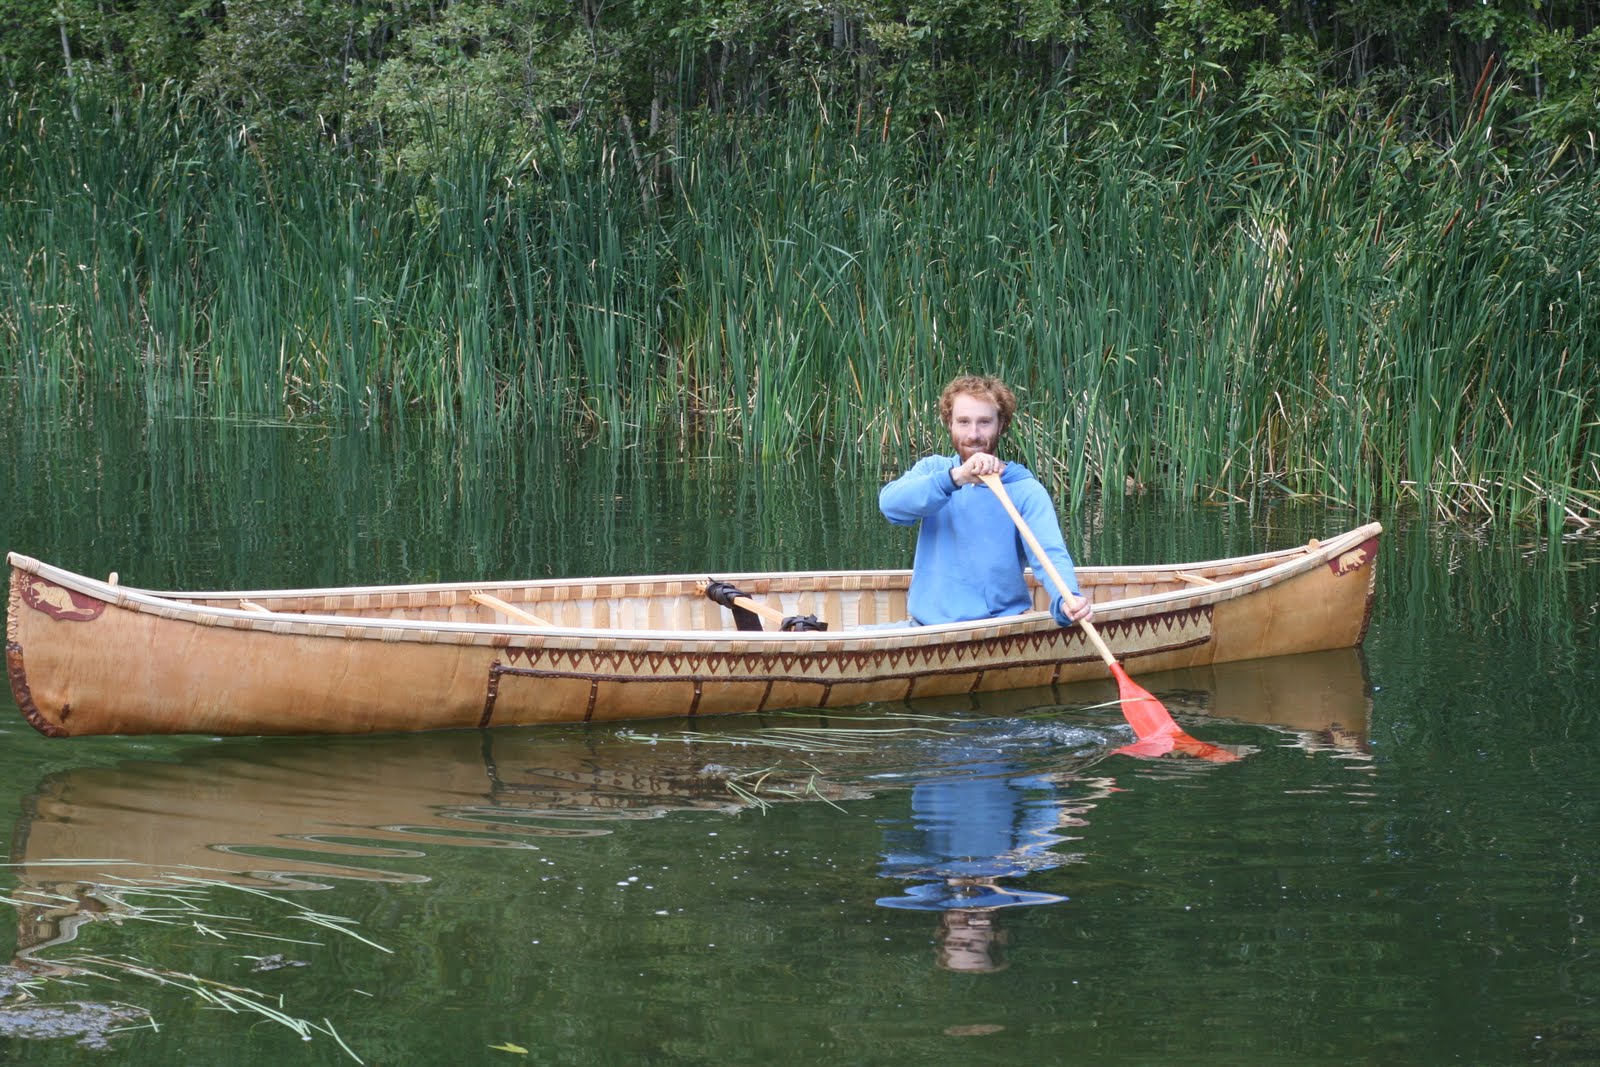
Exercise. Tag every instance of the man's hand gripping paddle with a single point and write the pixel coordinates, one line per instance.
(1156, 733)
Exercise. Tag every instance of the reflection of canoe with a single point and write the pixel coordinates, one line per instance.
(289, 808)
(297, 813)
(1323, 694)
(89, 657)
(1324, 698)
(289, 813)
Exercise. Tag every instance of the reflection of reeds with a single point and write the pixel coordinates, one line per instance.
(760, 787)
(173, 898)
(1491, 606)
(231, 998)
(1191, 299)
(753, 790)
(845, 753)
(793, 738)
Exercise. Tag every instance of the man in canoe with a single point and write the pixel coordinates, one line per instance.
(969, 558)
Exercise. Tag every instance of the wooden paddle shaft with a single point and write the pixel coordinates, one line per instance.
(993, 482)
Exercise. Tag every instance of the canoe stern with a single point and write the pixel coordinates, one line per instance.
(26, 595)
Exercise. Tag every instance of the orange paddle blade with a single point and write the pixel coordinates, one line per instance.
(1185, 745)
(1144, 713)
(1178, 744)
(1149, 748)
(1157, 734)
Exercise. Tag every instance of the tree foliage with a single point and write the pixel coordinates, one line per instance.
(383, 74)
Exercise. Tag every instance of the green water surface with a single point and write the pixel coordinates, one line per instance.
(1402, 869)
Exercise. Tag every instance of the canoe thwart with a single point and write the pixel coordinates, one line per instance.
(745, 610)
(510, 611)
(1196, 579)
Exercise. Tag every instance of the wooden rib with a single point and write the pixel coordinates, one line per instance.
(506, 609)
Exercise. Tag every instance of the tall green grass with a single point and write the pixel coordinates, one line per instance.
(1212, 302)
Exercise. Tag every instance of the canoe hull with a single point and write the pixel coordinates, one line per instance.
(86, 657)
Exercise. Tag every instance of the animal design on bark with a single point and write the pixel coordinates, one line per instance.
(59, 602)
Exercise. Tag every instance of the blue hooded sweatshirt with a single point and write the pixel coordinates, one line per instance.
(969, 555)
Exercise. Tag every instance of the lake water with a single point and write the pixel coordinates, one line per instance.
(1403, 869)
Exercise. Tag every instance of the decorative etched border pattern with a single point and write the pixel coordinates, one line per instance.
(1190, 628)
(1182, 629)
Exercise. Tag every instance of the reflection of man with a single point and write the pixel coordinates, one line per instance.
(968, 832)
(970, 941)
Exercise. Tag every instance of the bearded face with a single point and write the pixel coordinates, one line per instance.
(974, 426)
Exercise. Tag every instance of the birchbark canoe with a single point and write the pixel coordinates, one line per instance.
(86, 656)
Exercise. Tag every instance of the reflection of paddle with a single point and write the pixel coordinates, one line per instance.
(1157, 734)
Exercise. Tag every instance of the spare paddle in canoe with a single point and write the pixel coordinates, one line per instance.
(745, 610)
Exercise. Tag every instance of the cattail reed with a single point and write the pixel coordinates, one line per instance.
(1204, 301)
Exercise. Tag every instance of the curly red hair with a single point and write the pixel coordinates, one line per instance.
(983, 387)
